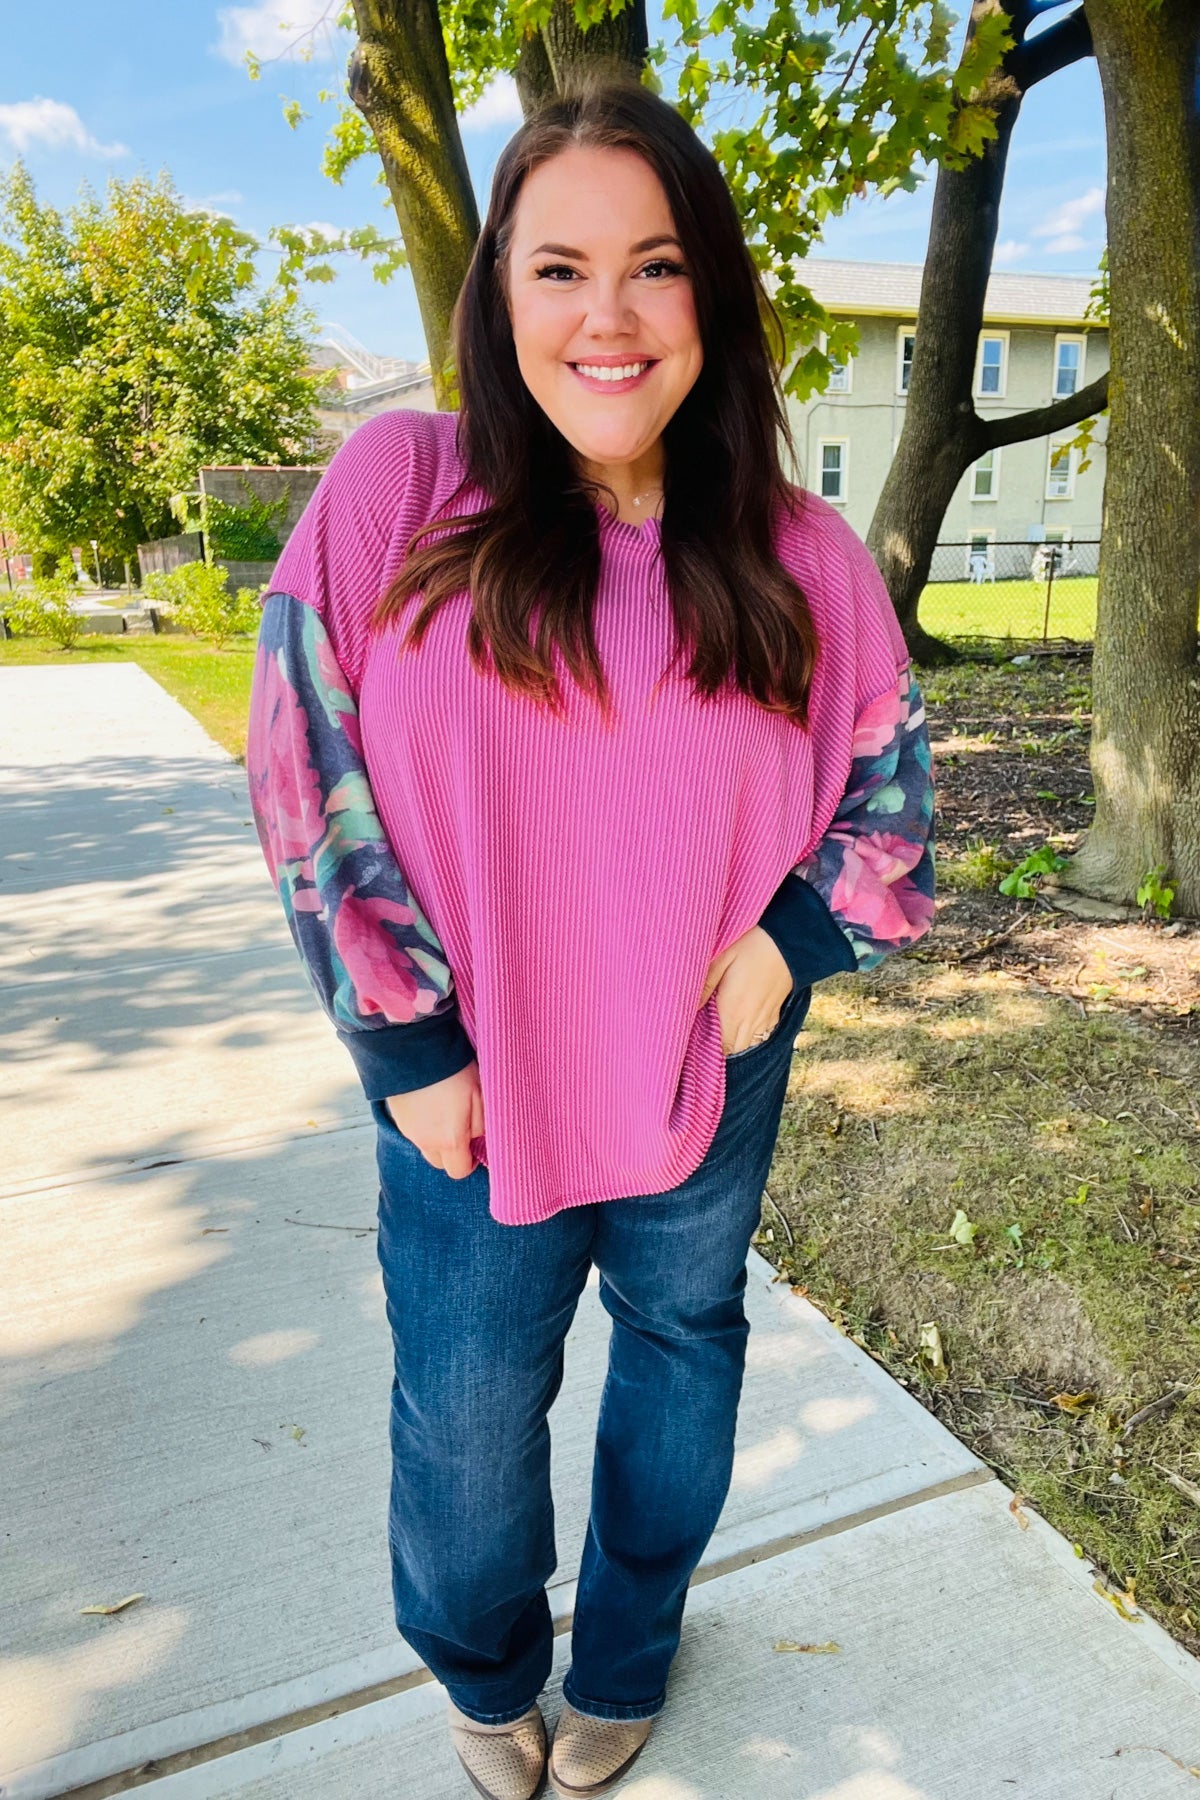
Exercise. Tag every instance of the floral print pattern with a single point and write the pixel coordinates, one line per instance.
(874, 868)
(369, 951)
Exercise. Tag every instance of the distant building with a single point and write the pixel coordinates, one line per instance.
(364, 383)
(1035, 347)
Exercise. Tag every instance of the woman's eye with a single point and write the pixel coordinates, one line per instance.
(660, 266)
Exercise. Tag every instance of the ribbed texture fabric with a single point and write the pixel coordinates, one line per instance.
(582, 878)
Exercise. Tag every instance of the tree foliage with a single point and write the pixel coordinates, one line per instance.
(133, 350)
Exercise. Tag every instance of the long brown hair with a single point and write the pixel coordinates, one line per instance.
(533, 554)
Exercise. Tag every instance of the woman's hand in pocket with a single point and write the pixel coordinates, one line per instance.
(752, 981)
(441, 1119)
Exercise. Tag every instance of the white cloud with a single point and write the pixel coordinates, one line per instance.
(499, 104)
(1065, 245)
(55, 125)
(217, 204)
(1008, 253)
(1066, 220)
(279, 31)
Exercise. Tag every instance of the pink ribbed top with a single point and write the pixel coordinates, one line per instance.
(581, 878)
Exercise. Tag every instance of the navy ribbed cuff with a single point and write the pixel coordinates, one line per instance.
(395, 1059)
(810, 939)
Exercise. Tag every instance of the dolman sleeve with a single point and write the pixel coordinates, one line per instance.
(866, 890)
(370, 953)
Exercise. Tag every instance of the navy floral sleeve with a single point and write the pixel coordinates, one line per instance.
(369, 951)
(867, 888)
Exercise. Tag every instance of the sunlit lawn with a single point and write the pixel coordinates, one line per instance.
(1010, 608)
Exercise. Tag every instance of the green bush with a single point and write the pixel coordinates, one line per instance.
(196, 596)
(43, 609)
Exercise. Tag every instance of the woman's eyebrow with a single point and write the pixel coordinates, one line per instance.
(650, 243)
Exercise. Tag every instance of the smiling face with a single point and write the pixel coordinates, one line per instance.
(602, 307)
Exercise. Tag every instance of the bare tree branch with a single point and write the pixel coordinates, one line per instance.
(1019, 427)
(1065, 43)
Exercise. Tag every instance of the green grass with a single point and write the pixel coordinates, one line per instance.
(1072, 1147)
(214, 685)
(1010, 608)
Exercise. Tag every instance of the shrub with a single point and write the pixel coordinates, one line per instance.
(1022, 884)
(979, 868)
(196, 596)
(43, 609)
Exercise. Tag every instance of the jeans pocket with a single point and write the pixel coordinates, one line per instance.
(387, 1125)
(796, 1002)
(751, 1050)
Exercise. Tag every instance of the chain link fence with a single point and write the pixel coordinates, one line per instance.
(1028, 592)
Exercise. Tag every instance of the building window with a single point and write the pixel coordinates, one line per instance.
(835, 455)
(985, 477)
(839, 372)
(1060, 472)
(906, 339)
(1068, 366)
(991, 368)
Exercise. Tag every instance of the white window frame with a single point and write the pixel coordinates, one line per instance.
(1072, 467)
(1001, 338)
(902, 332)
(988, 533)
(1068, 337)
(978, 499)
(847, 369)
(844, 445)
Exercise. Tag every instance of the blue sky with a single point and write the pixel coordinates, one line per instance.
(140, 86)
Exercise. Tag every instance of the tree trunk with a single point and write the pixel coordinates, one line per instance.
(1146, 729)
(400, 81)
(533, 74)
(616, 41)
(943, 435)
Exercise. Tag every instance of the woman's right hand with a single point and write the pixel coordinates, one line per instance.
(441, 1119)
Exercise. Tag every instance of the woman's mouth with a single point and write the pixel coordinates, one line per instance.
(610, 378)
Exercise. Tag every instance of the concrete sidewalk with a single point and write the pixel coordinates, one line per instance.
(197, 1378)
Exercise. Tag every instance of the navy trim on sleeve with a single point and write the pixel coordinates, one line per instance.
(398, 1058)
(810, 939)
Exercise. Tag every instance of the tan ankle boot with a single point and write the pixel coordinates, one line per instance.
(503, 1762)
(589, 1756)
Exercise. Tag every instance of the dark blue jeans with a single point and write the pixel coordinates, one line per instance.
(479, 1312)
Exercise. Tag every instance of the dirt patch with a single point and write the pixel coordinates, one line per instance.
(1011, 758)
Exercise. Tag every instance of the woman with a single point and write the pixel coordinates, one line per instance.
(582, 745)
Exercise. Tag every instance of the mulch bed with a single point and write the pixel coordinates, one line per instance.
(1011, 758)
